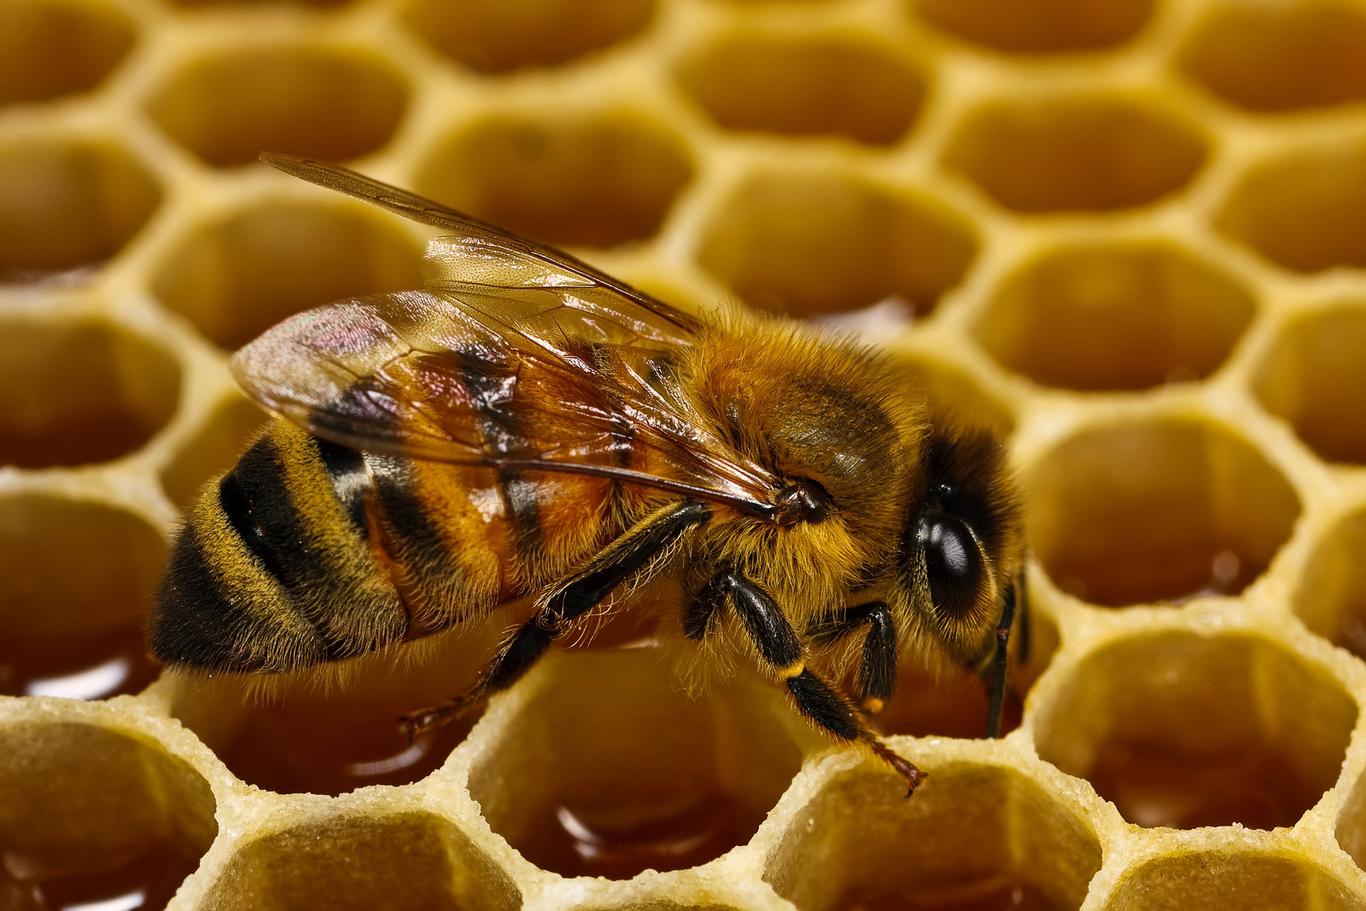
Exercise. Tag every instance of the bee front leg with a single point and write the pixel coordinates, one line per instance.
(781, 650)
(877, 666)
(615, 563)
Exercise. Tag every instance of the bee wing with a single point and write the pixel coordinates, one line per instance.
(479, 250)
(547, 378)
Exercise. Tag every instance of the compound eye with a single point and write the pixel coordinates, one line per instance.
(953, 563)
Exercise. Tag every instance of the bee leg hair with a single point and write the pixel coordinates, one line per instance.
(781, 649)
(609, 568)
(877, 666)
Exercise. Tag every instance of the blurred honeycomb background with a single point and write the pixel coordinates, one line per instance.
(1128, 234)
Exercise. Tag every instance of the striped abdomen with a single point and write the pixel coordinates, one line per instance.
(308, 552)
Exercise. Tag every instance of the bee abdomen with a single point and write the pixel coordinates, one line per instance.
(273, 552)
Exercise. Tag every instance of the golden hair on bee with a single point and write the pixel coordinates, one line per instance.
(527, 427)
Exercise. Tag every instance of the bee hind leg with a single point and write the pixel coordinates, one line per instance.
(781, 650)
(615, 563)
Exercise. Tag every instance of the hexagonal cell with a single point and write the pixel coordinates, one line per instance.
(1184, 730)
(318, 102)
(336, 728)
(238, 276)
(1106, 315)
(104, 392)
(955, 395)
(974, 836)
(1047, 27)
(1304, 210)
(611, 770)
(94, 817)
(68, 204)
(1331, 595)
(1075, 153)
(1311, 377)
(213, 449)
(821, 243)
(520, 34)
(1160, 510)
(853, 86)
(74, 634)
(51, 48)
(593, 180)
(1280, 57)
(1237, 879)
(402, 860)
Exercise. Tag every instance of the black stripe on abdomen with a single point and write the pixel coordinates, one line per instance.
(242, 519)
(350, 479)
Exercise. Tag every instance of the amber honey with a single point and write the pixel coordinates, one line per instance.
(141, 881)
(75, 667)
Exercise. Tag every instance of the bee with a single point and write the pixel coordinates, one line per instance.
(525, 425)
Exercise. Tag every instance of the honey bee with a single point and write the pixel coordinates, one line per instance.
(526, 425)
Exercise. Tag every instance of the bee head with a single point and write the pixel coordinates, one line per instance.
(963, 545)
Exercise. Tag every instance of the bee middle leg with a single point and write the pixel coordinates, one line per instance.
(877, 665)
(781, 649)
(613, 565)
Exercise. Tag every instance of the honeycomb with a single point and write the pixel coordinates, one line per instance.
(1127, 234)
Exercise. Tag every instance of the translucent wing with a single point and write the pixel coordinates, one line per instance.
(512, 357)
(480, 246)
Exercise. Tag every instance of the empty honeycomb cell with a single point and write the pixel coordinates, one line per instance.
(298, 99)
(1157, 510)
(1304, 210)
(974, 836)
(819, 243)
(594, 180)
(337, 728)
(235, 277)
(852, 86)
(956, 396)
(633, 776)
(1280, 56)
(1232, 879)
(1312, 378)
(96, 818)
(508, 36)
(1075, 153)
(1106, 315)
(1331, 596)
(1050, 27)
(67, 204)
(213, 449)
(1184, 730)
(74, 633)
(406, 860)
(51, 48)
(105, 392)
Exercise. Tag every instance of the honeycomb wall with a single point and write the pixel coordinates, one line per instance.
(1125, 234)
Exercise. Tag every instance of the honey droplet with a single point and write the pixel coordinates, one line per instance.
(993, 893)
(335, 746)
(142, 881)
(75, 667)
(1155, 785)
(619, 842)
